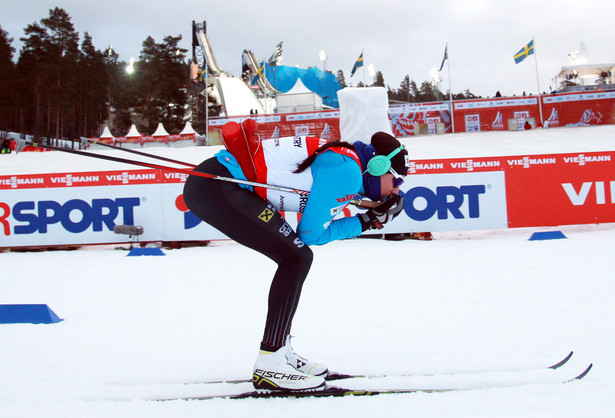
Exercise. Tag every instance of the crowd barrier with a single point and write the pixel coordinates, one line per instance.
(496, 114)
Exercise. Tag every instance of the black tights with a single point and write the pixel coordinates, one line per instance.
(251, 221)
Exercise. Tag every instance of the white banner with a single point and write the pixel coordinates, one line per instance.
(76, 213)
(452, 202)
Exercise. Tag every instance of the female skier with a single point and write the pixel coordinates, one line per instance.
(334, 173)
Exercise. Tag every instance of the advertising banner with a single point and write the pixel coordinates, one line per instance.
(563, 189)
(579, 109)
(404, 117)
(323, 124)
(492, 114)
(562, 109)
(440, 195)
(452, 202)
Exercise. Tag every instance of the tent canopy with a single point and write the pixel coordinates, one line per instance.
(587, 70)
(132, 132)
(160, 131)
(325, 84)
(298, 99)
(106, 133)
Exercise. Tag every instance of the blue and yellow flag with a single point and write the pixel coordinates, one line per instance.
(357, 64)
(525, 52)
(445, 58)
(259, 74)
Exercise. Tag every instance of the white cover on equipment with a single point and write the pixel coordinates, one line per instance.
(363, 112)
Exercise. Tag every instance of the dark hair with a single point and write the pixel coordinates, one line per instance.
(301, 167)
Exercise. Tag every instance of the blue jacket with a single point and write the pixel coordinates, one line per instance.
(337, 179)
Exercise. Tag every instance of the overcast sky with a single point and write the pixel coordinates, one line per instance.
(398, 37)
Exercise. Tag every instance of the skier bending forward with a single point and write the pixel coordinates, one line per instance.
(334, 173)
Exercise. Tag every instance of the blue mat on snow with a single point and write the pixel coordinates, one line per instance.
(27, 314)
(541, 236)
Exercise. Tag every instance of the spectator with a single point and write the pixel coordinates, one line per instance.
(6, 147)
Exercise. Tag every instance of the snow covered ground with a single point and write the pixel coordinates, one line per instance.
(137, 328)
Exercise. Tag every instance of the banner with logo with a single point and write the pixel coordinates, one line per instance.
(323, 124)
(440, 195)
(562, 109)
(561, 189)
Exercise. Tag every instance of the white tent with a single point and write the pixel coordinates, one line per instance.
(133, 132)
(589, 72)
(189, 132)
(160, 131)
(106, 133)
(133, 138)
(298, 99)
(188, 129)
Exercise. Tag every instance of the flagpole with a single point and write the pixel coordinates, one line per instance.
(537, 82)
(450, 90)
(363, 65)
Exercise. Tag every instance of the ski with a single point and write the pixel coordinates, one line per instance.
(342, 376)
(333, 391)
(332, 376)
(328, 392)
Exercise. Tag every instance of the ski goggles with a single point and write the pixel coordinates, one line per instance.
(398, 179)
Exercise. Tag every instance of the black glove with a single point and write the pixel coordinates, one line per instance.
(386, 211)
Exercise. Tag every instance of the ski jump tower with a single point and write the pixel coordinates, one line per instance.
(232, 93)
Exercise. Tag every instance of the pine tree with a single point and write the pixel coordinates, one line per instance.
(92, 89)
(7, 82)
(121, 94)
(379, 80)
(426, 92)
(48, 73)
(404, 91)
(341, 79)
(161, 76)
(414, 91)
(63, 47)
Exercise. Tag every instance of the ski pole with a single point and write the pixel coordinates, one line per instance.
(144, 154)
(365, 204)
(166, 168)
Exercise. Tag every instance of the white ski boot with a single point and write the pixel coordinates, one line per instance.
(304, 365)
(285, 370)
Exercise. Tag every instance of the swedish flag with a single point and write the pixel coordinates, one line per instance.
(357, 64)
(444, 58)
(525, 52)
(259, 74)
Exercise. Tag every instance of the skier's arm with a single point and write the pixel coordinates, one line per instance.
(337, 179)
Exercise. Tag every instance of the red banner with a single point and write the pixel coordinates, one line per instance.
(544, 190)
(564, 189)
(322, 124)
(562, 109)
